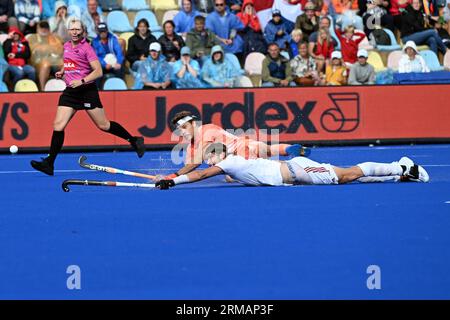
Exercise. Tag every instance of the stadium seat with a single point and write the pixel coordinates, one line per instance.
(393, 59)
(333, 33)
(245, 82)
(394, 44)
(150, 17)
(431, 60)
(114, 84)
(3, 87)
(25, 85)
(447, 60)
(118, 22)
(134, 5)
(109, 5)
(169, 15)
(285, 54)
(126, 36)
(164, 5)
(3, 67)
(157, 34)
(253, 63)
(376, 61)
(55, 85)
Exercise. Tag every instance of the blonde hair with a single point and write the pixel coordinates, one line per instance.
(296, 32)
(324, 30)
(75, 20)
(349, 28)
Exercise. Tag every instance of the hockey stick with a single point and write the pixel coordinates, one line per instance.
(82, 163)
(66, 183)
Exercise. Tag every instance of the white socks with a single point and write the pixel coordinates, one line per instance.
(376, 169)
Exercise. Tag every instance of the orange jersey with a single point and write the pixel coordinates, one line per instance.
(211, 133)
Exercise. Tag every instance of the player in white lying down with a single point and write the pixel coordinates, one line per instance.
(299, 170)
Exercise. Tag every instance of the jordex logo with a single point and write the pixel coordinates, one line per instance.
(19, 131)
(344, 115)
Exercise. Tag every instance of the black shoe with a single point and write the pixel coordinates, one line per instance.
(44, 166)
(138, 145)
(413, 173)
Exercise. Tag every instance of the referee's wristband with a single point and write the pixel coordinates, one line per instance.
(181, 179)
(83, 81)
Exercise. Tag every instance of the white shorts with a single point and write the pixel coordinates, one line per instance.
(307, 171)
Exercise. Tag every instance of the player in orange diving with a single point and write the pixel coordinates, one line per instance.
(199, 136)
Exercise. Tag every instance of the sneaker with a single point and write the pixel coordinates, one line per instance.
(138, 146)
(296, 150)
(413, 171)
(44, 166)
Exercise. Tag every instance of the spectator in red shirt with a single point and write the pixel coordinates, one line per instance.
(349, 43)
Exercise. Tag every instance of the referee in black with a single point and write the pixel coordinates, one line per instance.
(81, 69)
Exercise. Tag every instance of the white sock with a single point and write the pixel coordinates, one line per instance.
(376, 169)
(378, 179)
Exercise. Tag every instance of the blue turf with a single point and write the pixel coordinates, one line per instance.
(223, 241)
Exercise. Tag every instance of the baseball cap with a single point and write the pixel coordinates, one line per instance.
(310, 6)
(276, 12)
(155, 46)
(102, 27)
(185, 51)
(336, 55)
(362, 53)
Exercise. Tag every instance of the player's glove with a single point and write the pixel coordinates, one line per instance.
(165, 184)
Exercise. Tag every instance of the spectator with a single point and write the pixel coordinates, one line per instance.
(278, 30)
(307, 21)
(323, 23)
(28, 14)
(46, 53)
(155, 72)
(235, 5)
(414, 29)
(109, 53)
(48, 8)
(323, 49)
(7, 18)
(17, 51)
(89, 16)
(184, 20)
(186, 71)
(296, 38)
(304, 67)
(200, 40)
(226, 26)
(411, 60)
(336, 72)
(346, 14)
(362, 73)
(276, 69)
(204, 6)
(349, 43)
(219, 72)
(396, 9)
(248, 16)
(171, 43)
(251, 34)
(58, 23)
(139, 43)
(377, 15)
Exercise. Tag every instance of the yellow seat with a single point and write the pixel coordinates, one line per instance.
(376, 61)
(25, 85)
(126, 36)
(164, 4)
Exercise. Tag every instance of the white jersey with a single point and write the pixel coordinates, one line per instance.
(253, 172)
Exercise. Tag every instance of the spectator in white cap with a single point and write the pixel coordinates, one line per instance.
(336, 72)
(411, 60)
(362, 72)
(186, 71)
(155, 72)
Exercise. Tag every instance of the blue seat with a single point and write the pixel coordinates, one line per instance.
(118, 22)
(3, 87)
(114, 84)
(333, 33)
(150, 17)
(109, 5)
(394, 44)
(134, 5)
(431, 60)
(157, 34)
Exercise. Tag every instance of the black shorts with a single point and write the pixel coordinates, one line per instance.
(85, 97)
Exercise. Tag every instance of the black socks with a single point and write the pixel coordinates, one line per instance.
(56, 145)
(119, 131)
